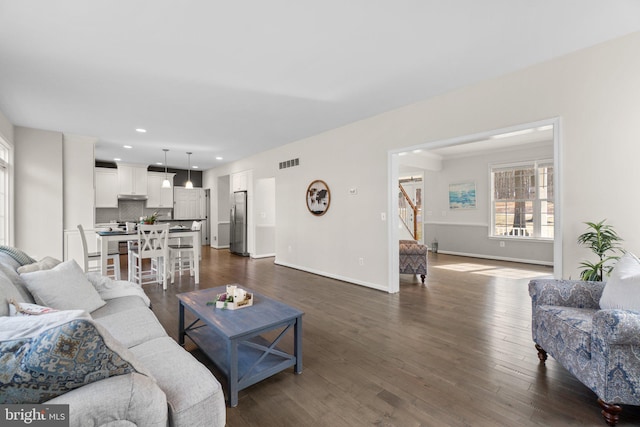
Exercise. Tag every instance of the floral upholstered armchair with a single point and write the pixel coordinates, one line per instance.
(600, 347)
(413, 258)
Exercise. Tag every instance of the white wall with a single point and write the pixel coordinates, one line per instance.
(79, 194)
(265, 218)
(6, 129)
(595, 92)
(352, 227)
(39, 192)
(54, 192)
(466, 231)
(6, 133)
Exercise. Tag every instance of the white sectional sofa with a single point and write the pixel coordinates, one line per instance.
(104, 352)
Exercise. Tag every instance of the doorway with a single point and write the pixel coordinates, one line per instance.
(435, 158)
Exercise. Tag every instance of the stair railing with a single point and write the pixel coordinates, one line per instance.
(408, 213)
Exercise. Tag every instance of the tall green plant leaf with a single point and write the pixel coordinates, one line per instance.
(601, 238)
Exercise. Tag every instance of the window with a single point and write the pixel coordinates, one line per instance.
(4, 193)
(522, 200)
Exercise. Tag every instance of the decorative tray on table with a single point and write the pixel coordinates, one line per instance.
(233, 299)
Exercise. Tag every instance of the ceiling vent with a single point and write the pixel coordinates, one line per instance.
(289, 163)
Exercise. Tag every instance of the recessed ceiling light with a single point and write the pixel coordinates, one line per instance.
(218, 158)
(417, 151)
(159, 163)
(117, 159)
(127, 146)
(141, 130)
(194, 167)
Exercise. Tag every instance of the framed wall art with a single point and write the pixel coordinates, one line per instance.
(318, 197)
(462, 195)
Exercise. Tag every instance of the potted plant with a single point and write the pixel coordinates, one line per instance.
(603, 240)
(150, 219)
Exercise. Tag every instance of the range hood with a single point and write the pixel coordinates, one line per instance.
(132, 197)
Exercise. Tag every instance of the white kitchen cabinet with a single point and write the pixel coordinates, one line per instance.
(132, 179)
(189, 203)
(158, 197)
(239, 181)
(106, 187)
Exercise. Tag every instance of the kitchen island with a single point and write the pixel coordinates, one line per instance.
(104, 237)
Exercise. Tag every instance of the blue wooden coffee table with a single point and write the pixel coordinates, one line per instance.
(233, 339)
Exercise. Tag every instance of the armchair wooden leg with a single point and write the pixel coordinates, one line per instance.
(422, 277)
(610, 412)
(542, 355)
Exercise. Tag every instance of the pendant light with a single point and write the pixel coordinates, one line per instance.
(166, 183)
(189, 184)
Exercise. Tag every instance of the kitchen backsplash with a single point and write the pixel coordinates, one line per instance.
(128, 210)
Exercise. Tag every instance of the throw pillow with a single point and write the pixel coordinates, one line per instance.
(64, 287)
(20, 256)
(59, 360)
(46, 263)
(622, 290)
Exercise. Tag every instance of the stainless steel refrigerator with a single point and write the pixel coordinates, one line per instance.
(238, 241)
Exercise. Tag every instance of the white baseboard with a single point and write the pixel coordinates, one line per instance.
(497, 258)
(333, 276)
(220, 247)
(263, 256)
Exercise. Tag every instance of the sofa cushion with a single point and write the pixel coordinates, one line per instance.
(126, 400)
(46, 263)
(12, 287)
(198, 401)
(60, 359)
(132, 325)
(9, 261)
(64, 287)
(116, 305)
(8, 291)
(622, 290)
(109, 288)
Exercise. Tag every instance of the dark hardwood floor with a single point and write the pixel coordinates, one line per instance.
(456, 352)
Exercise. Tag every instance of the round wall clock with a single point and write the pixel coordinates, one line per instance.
(318, 197)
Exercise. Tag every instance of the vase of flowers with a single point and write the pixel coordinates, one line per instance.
(150, 219)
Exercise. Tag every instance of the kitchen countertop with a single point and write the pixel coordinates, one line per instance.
(120, 232)
(176, 220)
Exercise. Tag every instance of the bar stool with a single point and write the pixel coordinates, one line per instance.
(152, 245)
(182, 256)
(113, 269)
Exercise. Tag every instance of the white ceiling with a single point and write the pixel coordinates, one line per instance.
(233, 78)
(500, 142)
(417, 160)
